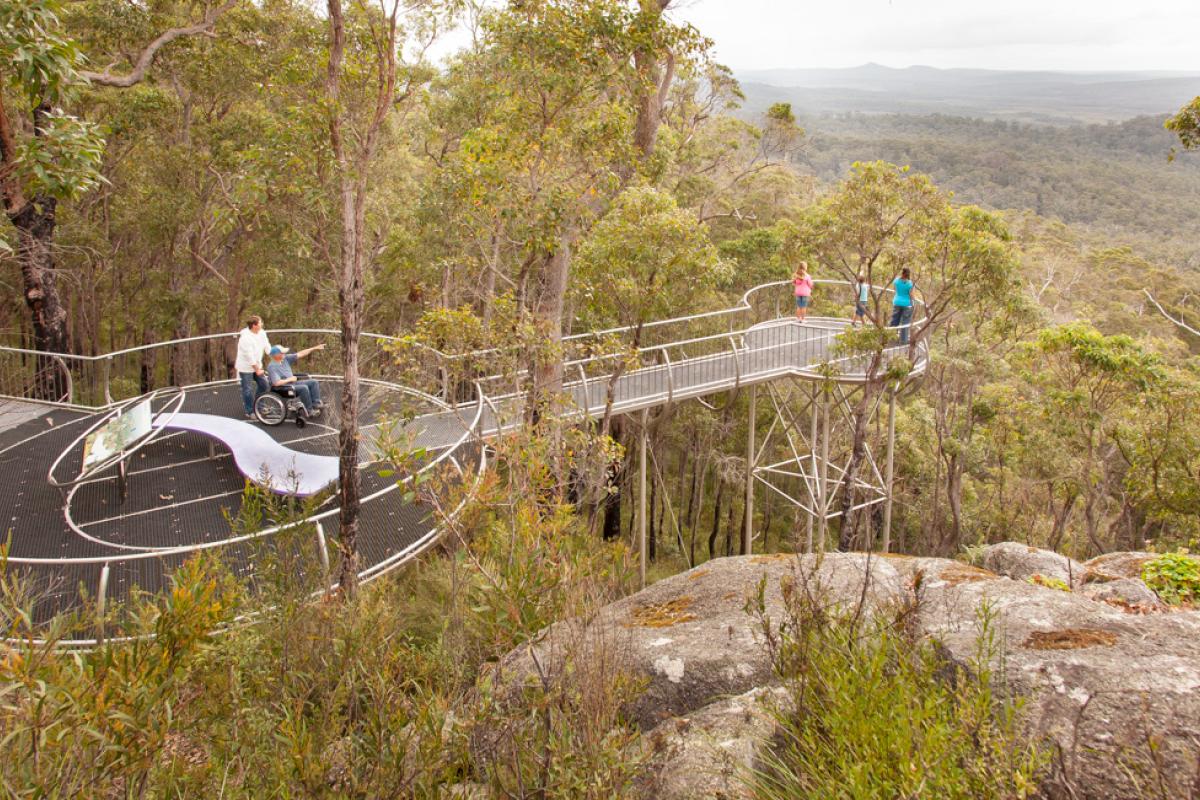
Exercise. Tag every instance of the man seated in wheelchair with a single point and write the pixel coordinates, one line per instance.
(279, 371)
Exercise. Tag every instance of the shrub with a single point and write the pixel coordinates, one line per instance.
(873, 712)
(1048, 582)
(1174, 576)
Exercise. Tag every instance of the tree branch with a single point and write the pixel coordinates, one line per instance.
(1178, 322)
(144, 61)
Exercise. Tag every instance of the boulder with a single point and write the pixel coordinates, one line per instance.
(1113, 566)
(1022, 562)
(1129, 593)
(937, 571)
(692, 638)
(1099, 685)
(710, 752)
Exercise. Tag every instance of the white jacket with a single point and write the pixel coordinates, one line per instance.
(251, 349)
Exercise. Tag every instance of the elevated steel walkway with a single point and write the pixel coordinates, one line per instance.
(91, 547)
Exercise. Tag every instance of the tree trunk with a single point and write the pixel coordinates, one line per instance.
(612, 498)
(655, 83)
(548, 312)
(954, 484)
(696, 510)
(35, 221)
(652, 514)
(716, 524)
(858, 450)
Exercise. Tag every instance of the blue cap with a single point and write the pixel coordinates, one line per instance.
(277, 350)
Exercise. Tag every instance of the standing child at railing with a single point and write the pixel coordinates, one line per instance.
(803, 284)
(862, 295)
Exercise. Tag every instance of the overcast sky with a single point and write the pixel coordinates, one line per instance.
(1014, 34)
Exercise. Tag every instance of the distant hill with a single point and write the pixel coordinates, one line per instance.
(1040, 97)
(1112, 178)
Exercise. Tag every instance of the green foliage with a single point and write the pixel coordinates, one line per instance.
(871, 712)
(62, 159)
(782, 113)
(884, 219)
(1186, 125)
(1175, 577)
(647, 259)
(41, 61)
(71, 725)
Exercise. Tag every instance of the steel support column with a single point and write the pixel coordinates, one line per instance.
(748, 534)
(823, 471)
(642, 550)
(812, 438)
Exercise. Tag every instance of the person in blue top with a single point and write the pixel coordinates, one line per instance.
(279, 370)
(902, 304)
(862, 296)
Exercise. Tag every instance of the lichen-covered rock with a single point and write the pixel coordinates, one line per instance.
(1130, 593)
(690, 637)
(710, 752)
(1099, 684)
(1022, 562)
(1113, 566)
(937, 571)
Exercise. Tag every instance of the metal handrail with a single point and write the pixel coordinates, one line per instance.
(742, 305)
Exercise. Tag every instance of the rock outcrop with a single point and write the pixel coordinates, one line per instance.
(1117, 695)
(709, 753)
(691, 639)
(1022, 562)
(1113, 691)
(1132, 593)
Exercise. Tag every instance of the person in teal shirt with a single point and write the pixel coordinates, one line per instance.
(902, 304)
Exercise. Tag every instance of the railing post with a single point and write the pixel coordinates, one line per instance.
(737, 364)
(108, 398)
(748, 535)
(323, 554)
(891, 446)
(642, 550)
(101, 597)
(670, 377)
(587, 395)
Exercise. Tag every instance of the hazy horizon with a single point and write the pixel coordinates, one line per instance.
(826, 67)
(1024, 35)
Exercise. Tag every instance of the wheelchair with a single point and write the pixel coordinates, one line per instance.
(274, 407)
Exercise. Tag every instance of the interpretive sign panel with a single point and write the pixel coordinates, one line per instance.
(116, 435)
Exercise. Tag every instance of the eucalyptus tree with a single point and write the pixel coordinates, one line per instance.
(537, 127)
(646, 259)
(1083, 382)
(883, 219)
(367, 88)
(207, 206)
(46, 155)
